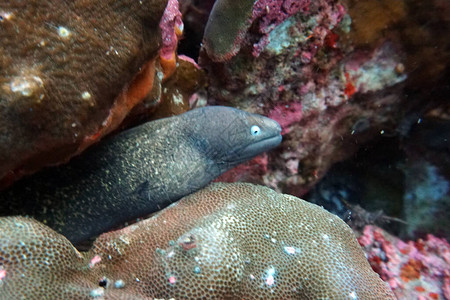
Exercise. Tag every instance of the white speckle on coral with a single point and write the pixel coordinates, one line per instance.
(269, 278)
(353, 295)
(291, 250)
(2, 274)
(27, 85)
(64, 32)
(86, 95)
(5, 16)
(95, 260)
(97, 293)
(177, 98)
(118, 284)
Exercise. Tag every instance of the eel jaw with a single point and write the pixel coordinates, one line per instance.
(254, 149)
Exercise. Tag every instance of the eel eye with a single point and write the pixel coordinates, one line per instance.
(255, 130)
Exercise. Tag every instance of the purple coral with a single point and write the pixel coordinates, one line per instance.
(171, 29)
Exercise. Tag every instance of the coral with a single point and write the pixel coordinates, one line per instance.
(171, 96)
(171, 30)
(414, 270)
(229, 21)
(423, 35)
(62, 65)
(293, 66)
(225, 241)
(286, 114)
(178, 89)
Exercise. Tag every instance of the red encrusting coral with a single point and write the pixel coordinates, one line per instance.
(255, 168)
(286, 114)
(349, 86)
(414, 269)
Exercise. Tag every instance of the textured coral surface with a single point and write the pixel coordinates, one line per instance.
(227, 241)
(62, 64)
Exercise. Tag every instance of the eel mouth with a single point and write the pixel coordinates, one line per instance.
(255, 149)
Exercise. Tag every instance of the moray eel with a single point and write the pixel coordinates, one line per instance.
(140, 171)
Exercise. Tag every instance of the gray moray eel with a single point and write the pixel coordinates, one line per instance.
(140, 171)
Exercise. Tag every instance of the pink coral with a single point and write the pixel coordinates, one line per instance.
(254, 168)
(269, 14)
(414, 269)
(171, 27)
(286, 115)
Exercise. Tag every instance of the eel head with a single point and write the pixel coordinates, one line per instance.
(229, 136)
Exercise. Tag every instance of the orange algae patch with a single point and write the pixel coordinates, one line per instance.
(131, 95)
(349, 87)
(168, 65)
(433, 295)
(419, 289)
(411, 270)
(405, 250)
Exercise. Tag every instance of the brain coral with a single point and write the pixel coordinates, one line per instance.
(63, 66)
(227, 241)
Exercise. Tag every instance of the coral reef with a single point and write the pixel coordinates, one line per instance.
(359, 79)
(225, 241)
(414, 270)
(291, 66)
(77, 63)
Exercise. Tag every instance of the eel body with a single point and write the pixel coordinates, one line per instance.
(140, 171)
